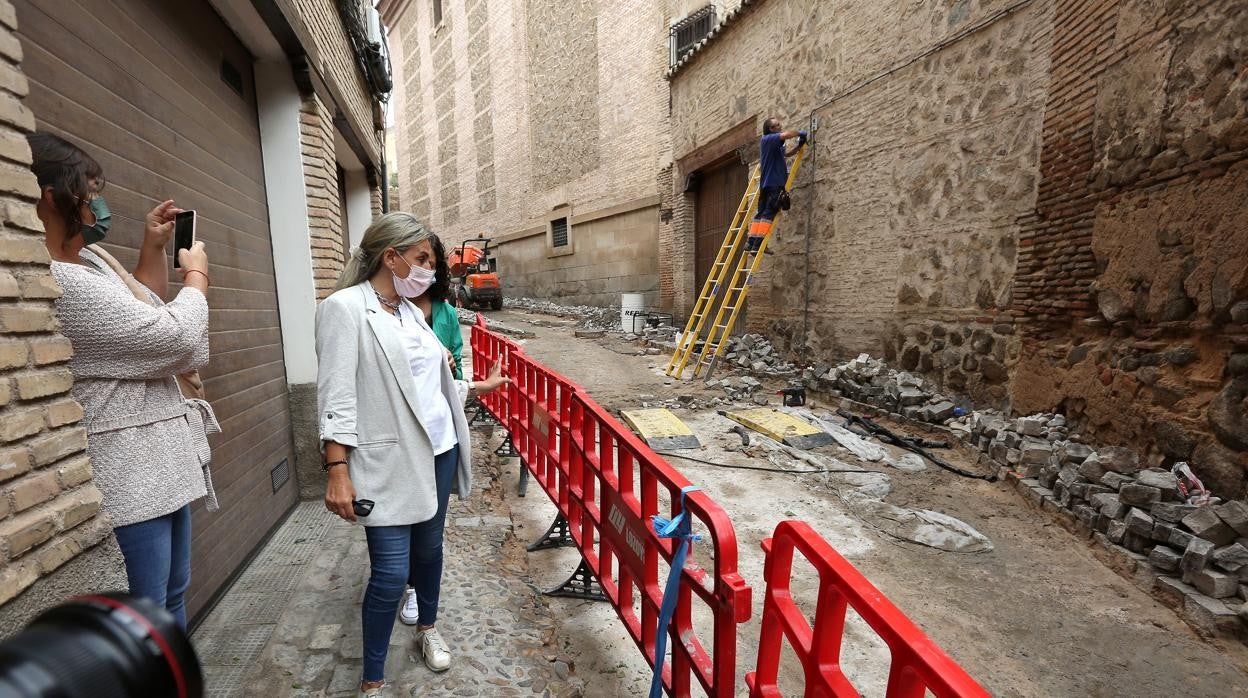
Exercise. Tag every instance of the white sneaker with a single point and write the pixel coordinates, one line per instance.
(433, 648)
(410, 612)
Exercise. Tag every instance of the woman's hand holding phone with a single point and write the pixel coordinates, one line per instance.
(193, 267)
(158, 225)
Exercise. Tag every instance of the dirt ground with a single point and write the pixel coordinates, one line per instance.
(1037, 615)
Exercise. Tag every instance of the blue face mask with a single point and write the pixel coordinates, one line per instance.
(96, 231)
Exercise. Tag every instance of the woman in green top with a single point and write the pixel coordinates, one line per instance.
(440, 314)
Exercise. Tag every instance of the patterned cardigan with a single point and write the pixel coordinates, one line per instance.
(148, 445)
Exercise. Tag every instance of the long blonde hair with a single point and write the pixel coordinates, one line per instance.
(397, 229)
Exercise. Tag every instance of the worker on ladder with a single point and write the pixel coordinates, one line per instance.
(773, 175)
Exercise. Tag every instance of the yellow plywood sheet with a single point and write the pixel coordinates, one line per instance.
(782, 427)
(661, 429)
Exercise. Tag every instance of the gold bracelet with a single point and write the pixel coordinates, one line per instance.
(196, 271)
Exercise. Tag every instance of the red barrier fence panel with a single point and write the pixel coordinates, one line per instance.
(488, 348)
(607, 483)
(918, 665)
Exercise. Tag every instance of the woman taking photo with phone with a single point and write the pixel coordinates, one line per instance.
(393, 429)
(149, 453)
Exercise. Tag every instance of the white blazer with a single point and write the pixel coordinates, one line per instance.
(367, 400)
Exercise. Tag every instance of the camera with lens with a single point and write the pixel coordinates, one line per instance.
(101, 646)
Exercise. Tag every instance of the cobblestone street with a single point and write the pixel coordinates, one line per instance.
(290, 626)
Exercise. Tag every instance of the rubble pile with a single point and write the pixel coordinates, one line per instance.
(871, 381)
(1184, 546)
(740, 388)
(683, 402)
(588, 316)
(754, 352)
(469, 317)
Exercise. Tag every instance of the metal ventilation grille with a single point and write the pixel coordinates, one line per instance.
(280, 474)
(559, 232)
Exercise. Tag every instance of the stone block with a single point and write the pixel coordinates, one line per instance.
(1116, 530)
(1205, 523)
(1075, 453)
(941, 411)
(1115, 481)
(1162, 532)
(1180, 539)
(1110, 505)
(1086, 514)
(1210, 617)
(1161, 479)
(1139, 495)
(1172, 591)
(1170, 511)
(1035, 452)
(1068, 476)
(1090, 467)
(1235, 515)
(1213, 583)
(1013, 456)
(1031, 426)
(1134, 542)
(1165, 558)
(1231, 558)
(1139, 523)
(1196, 555)
(1118, 459)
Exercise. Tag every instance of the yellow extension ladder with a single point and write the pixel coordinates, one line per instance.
(730, 256)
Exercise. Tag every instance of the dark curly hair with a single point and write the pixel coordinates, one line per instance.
(440, 289)
(68, 171)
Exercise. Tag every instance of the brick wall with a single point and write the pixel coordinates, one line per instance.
(511, 110)
(320, 174)
(905, 215)
(1132, 285)
(51, 526)
(336, 61)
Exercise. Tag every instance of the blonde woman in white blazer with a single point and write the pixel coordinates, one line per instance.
(393, 430)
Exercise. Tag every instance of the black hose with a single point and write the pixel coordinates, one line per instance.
(912, 445)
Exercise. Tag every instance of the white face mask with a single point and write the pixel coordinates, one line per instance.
(418, 280)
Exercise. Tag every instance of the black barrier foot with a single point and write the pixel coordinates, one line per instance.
(523, 486)
(581, 585)
(557, 536)
(482, 417)
(507, 449)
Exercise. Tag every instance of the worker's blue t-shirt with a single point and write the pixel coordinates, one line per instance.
(771, 161)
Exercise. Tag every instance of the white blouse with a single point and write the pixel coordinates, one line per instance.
(425, 355)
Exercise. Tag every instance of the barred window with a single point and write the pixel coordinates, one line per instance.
(559, 232)
(689, 31)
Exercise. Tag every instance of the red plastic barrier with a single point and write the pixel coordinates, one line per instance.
(608, 483)
(918, 664)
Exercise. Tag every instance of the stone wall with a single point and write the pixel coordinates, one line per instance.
(54, 540)
(515, 111)
(902, 237)
(611, 255)
(1132, 278)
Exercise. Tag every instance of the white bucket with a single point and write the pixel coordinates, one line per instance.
(631, 305)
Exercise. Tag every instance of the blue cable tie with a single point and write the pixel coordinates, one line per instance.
(679, 527)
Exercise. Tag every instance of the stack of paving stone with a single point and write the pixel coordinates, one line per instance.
(590, 317)
(1194, 558)
(871, 381)
(740, 388)
(754, 352)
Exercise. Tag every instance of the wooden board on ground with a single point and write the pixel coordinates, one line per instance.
(662, 430)
(782, 427)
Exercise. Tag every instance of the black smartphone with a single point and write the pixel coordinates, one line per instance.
(183, 234)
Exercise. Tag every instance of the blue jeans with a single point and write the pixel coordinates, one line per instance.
(158, 559)
(399, 555)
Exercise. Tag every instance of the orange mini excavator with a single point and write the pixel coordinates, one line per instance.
(473, 276)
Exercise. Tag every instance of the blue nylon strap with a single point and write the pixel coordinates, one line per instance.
(680, 527)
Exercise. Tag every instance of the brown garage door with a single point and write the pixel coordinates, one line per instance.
(161, 94)
(719, 195)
